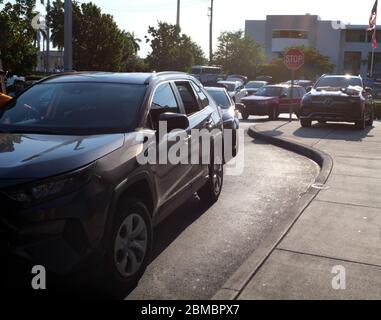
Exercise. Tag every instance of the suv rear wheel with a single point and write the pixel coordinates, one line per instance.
(360, 125)
(369, 122)
(211, 191)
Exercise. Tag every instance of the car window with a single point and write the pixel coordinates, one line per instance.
(188, 97)
(164, 98)
(338, 82)
(71, 108)
(163, 101)
(201, 95)
(221, 97)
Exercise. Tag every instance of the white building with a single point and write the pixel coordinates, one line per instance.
(347, 46)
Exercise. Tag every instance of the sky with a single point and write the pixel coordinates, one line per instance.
(137, 15)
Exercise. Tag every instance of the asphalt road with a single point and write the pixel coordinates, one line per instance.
(197, 249)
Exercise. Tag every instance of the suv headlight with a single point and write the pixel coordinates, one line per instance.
(36, 192)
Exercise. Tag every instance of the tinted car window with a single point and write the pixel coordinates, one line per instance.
(70, 108)
(221, 98)
(338, 82)
(270, 91)
(165, 99)
(188, 97)
(201, 95)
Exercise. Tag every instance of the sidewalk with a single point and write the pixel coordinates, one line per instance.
(340, 227)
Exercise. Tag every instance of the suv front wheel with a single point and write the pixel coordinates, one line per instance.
(129, 247)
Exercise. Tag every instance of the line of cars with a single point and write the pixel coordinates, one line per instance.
(333, 98)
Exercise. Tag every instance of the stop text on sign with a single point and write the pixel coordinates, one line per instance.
(293, 59)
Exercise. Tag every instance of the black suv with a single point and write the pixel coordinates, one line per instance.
(340, 99)
(72, 192)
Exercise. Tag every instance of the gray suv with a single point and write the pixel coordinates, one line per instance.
(74, 195)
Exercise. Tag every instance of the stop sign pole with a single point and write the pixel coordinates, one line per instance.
(293, 60)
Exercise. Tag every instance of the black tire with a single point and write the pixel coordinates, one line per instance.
(114, 283)
(305, 123)
(209, 194)
(369, 122)
(245, 115)
(360, 125)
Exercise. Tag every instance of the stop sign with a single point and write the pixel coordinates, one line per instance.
(293, 59)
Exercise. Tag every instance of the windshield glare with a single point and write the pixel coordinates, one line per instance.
(221, 98)
(338, 82)
(70, 108)
(269, 92)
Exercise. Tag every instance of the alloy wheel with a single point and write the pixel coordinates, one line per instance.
(130, 247)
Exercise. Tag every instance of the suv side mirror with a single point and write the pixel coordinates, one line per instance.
(308, 89)
(175, 121)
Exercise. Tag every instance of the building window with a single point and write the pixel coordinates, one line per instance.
(355, 35)
(290, 34)
(369, 36)
(352, 62)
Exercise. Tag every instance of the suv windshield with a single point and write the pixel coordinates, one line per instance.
(269, 92)
(74, 108)
(338, 82)
(229, 86)
(221, 98)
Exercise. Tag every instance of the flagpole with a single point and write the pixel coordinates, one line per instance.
(372, 64)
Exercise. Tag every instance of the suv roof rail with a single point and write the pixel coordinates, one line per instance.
(163, 73)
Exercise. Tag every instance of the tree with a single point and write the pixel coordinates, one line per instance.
(18, 53)
(171, 49)
(98, 43)
(238, 54)
(315, 64)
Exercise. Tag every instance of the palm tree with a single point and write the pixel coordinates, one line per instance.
(134, 41)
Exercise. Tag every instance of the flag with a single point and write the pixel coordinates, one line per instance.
(373, 24)
(373, 17)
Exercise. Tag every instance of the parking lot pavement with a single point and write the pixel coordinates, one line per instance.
(197, 249)
(333, 251)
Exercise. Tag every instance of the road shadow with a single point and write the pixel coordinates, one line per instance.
(334, 131)
(175, 224)
(81, 286)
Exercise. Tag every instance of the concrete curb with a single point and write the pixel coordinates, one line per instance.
(237, 282)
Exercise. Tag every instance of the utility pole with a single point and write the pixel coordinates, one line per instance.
(211, 33)
(178, 13)
(68, 36)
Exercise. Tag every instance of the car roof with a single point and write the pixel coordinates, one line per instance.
(257, 81)
(116, 77)
(215, 89)
(340, 76)
(281, 85)
(229, 82)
